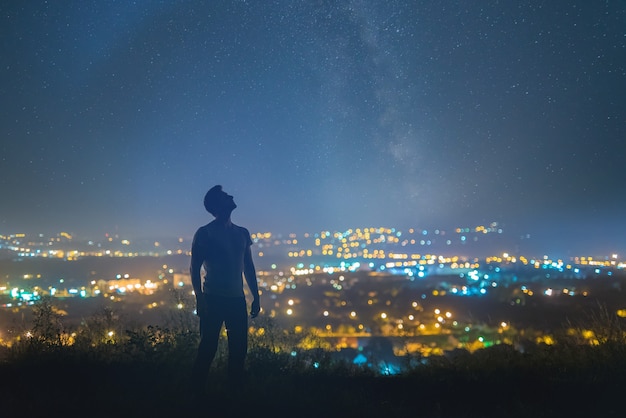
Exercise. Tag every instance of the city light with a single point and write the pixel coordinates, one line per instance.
(435, 279)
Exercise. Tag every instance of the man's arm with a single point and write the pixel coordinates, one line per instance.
(250, 274)
(196, 279)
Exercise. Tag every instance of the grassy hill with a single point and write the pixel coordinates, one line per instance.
(549, 381)
(146, 374)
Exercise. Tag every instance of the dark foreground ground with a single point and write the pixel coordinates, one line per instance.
(493, 383)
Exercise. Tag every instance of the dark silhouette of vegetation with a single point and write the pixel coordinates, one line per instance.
(107, 368)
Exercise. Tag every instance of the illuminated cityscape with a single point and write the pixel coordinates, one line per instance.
(420, 289)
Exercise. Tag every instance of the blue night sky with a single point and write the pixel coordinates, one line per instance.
(117, 116)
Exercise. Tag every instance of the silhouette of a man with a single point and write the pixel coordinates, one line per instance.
(223, 249)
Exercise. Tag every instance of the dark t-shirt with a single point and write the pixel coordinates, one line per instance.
(222, 250)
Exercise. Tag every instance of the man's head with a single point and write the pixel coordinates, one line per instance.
(218, 203)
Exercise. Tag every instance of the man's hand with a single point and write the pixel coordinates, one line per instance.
(256, 308)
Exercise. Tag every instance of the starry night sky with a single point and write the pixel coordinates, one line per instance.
(117, 116)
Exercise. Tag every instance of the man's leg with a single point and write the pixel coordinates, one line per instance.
(237, 329)
(210, 327)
